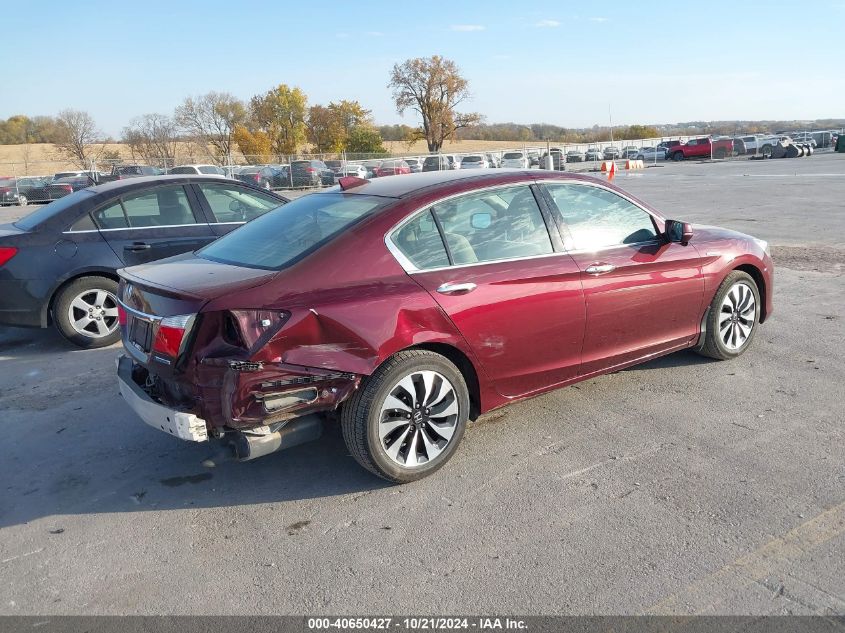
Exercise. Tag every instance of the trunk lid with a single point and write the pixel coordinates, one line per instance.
(194, 279)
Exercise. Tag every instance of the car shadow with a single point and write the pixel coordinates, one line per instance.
(684, 358)
(162, 473)
(26, 341)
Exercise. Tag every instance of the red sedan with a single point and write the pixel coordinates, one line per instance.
(411, 305)
(392, 168)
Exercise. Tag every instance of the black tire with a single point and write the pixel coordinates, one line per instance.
(360, 416)
(766, 151)
(678, 156)
(713, 345)
(720, 153)
(62, 304)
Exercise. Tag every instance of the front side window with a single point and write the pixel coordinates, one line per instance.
(491, 225)
(598, 218)
(165, 206)
(230, 203)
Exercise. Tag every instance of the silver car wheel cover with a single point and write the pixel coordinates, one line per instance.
(93, 313)
(418, 418)
(737, 316)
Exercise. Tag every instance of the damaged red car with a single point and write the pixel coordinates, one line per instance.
(408, 305)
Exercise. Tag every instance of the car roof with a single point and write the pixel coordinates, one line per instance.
(407, 184)
(144, 181)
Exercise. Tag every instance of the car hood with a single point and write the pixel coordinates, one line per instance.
(191, 276)
(704, 232)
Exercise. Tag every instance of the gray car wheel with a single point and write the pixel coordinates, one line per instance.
(732, 318)
(85, 312)
(408, 417)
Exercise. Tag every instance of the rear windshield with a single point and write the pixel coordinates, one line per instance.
(472, 159)
(43, 214)
(512, 155)
(183, 170)
(210, 169)
(288, 233)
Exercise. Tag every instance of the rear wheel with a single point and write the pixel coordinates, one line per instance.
(85, 312)
(22, 201)
(407, 419)
(732, 318)
(766, 150)
(678, 156)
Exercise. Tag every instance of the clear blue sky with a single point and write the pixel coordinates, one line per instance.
(534, 61)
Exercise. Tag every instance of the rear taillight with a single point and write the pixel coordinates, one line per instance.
(171, 334)
(7, 253)
(121, 315)
(4, 190)
(310, 170)
(257, 178)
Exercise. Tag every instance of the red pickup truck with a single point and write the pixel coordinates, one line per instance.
(701, 148)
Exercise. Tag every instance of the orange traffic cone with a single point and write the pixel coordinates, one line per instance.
(611, 172)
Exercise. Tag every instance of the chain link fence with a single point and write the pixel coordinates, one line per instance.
(39, 181)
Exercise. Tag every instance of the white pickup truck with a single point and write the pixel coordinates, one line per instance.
(761, 143)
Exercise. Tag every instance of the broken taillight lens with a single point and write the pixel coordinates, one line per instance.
(244, 328)
(171, 334)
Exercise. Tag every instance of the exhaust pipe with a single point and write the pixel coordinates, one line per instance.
(298, 431)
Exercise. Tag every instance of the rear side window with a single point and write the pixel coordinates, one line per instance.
(598, 218)
(288, 233)
(230, 203)
(183, 170)
(111, 217)
(420, 241)
(165, 206)
(500, 224)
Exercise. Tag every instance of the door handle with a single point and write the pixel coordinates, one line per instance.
(450, 288)
(599, 269)
(138, 246)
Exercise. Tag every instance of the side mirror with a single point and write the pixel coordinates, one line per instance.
(676, 231)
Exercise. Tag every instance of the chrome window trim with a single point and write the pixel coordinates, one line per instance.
(411, 268)
(146, 228)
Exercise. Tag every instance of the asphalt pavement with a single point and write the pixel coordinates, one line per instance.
(681, 486)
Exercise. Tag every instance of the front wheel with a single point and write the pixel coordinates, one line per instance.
(408, 417)
(85, 312)
(678, 156)
(22, 201)
(733, 317)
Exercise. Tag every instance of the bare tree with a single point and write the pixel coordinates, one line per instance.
(152, 137)
(77, 137)
(211, 120)
(433, 87)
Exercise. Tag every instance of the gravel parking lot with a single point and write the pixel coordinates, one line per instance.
(681, 486)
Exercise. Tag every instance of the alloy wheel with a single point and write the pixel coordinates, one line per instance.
(418, 418)
(737, 316)
(93, 313)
